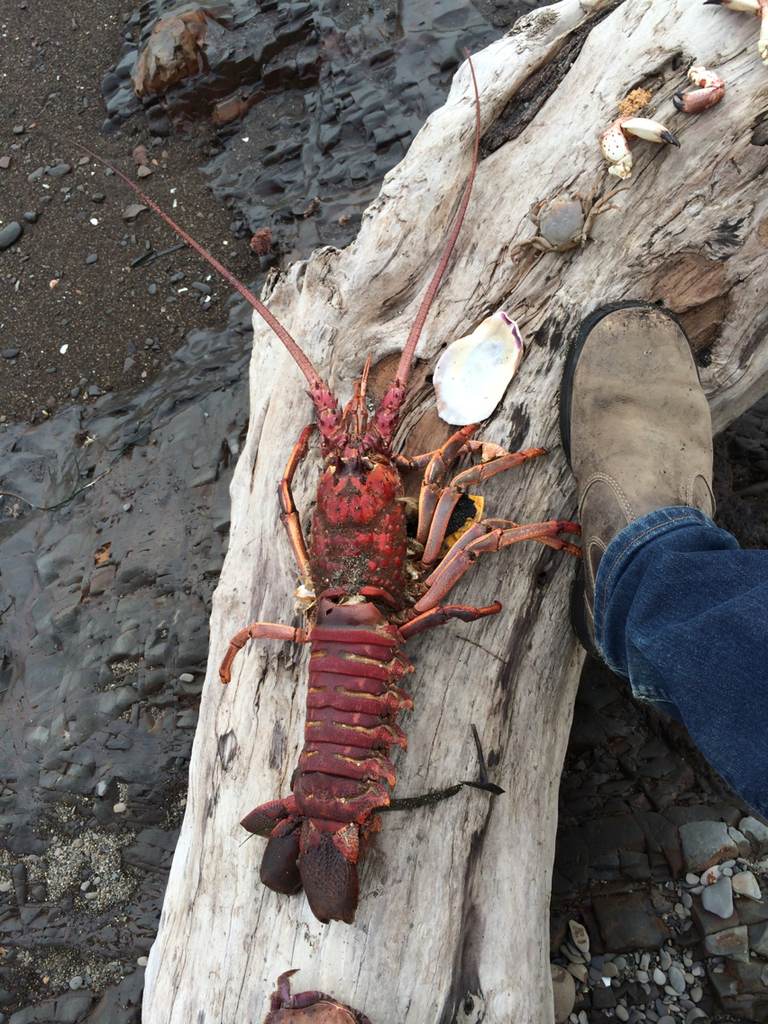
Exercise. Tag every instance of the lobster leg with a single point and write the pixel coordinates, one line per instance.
(490, 535)
(289, 516)
(501, 461)
(441, 614)
(259, 631)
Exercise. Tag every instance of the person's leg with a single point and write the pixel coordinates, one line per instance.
(682, 613)
(670, 601)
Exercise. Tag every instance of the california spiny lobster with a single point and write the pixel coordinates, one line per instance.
(371, 595)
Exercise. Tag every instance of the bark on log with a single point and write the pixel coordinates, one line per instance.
(455, 897)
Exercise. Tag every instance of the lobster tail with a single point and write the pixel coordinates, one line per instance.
(329, 877)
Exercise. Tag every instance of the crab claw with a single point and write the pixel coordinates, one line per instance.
(615, 146)
(710, 91)
(758, 7)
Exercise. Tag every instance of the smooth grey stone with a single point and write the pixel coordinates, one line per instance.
(718, 898)
(10, 353)
(9, 234)
(676, 979)
(92, 258)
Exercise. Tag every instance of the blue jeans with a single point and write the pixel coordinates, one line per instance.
(681, 611)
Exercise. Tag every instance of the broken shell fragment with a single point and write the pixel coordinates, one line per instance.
(710, 91)
(472, 374)
(615, 145)
(758, 7)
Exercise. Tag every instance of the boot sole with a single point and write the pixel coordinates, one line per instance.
(579, 619)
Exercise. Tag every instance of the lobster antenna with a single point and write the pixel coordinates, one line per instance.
(301, 360)
(404, 366)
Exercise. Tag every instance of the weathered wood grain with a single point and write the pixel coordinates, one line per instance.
(455, 897)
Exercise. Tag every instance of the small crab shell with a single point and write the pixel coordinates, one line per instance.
(561, 221)
(472, 374)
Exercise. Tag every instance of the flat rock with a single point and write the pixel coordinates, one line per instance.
(730, 942)
(758, 939)
(706, 843)
(707, 922)
(627, 923)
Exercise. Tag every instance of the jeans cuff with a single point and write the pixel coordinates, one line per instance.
(620, 553)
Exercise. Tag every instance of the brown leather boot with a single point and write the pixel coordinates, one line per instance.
(636, 430)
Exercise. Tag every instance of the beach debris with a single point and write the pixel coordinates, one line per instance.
(614, 142)
(710, 92)
(473, 373)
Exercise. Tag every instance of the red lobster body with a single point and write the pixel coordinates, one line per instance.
(352, 703)
(358, 565)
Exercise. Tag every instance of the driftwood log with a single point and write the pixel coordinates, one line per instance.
(455, 897)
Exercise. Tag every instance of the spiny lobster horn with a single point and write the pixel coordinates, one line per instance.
(330, 421)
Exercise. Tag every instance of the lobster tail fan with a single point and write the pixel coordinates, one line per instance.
(262, 820)
(279, 867)
(330, 880)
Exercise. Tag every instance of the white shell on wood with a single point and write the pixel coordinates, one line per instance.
(473, 373)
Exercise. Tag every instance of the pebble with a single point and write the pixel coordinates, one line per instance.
(718, 898)
(92, 258)
(621, 1013)
(5, 162)
(187, 677)
(745, 884)
(695, 1014)
(659, 976)
(76, 982)
(579, 935)
(665, 959)
(143, 961)
(756, 832)
(31, 217)
(59, 170)
(143, 171)
(676, 979)
(711, 875)
(9, 234)
(120, 808)
(579, 971)
(10, 353)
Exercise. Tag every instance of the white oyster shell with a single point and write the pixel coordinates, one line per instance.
(473, 373)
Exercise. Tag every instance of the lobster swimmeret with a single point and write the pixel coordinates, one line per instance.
(371, 596)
